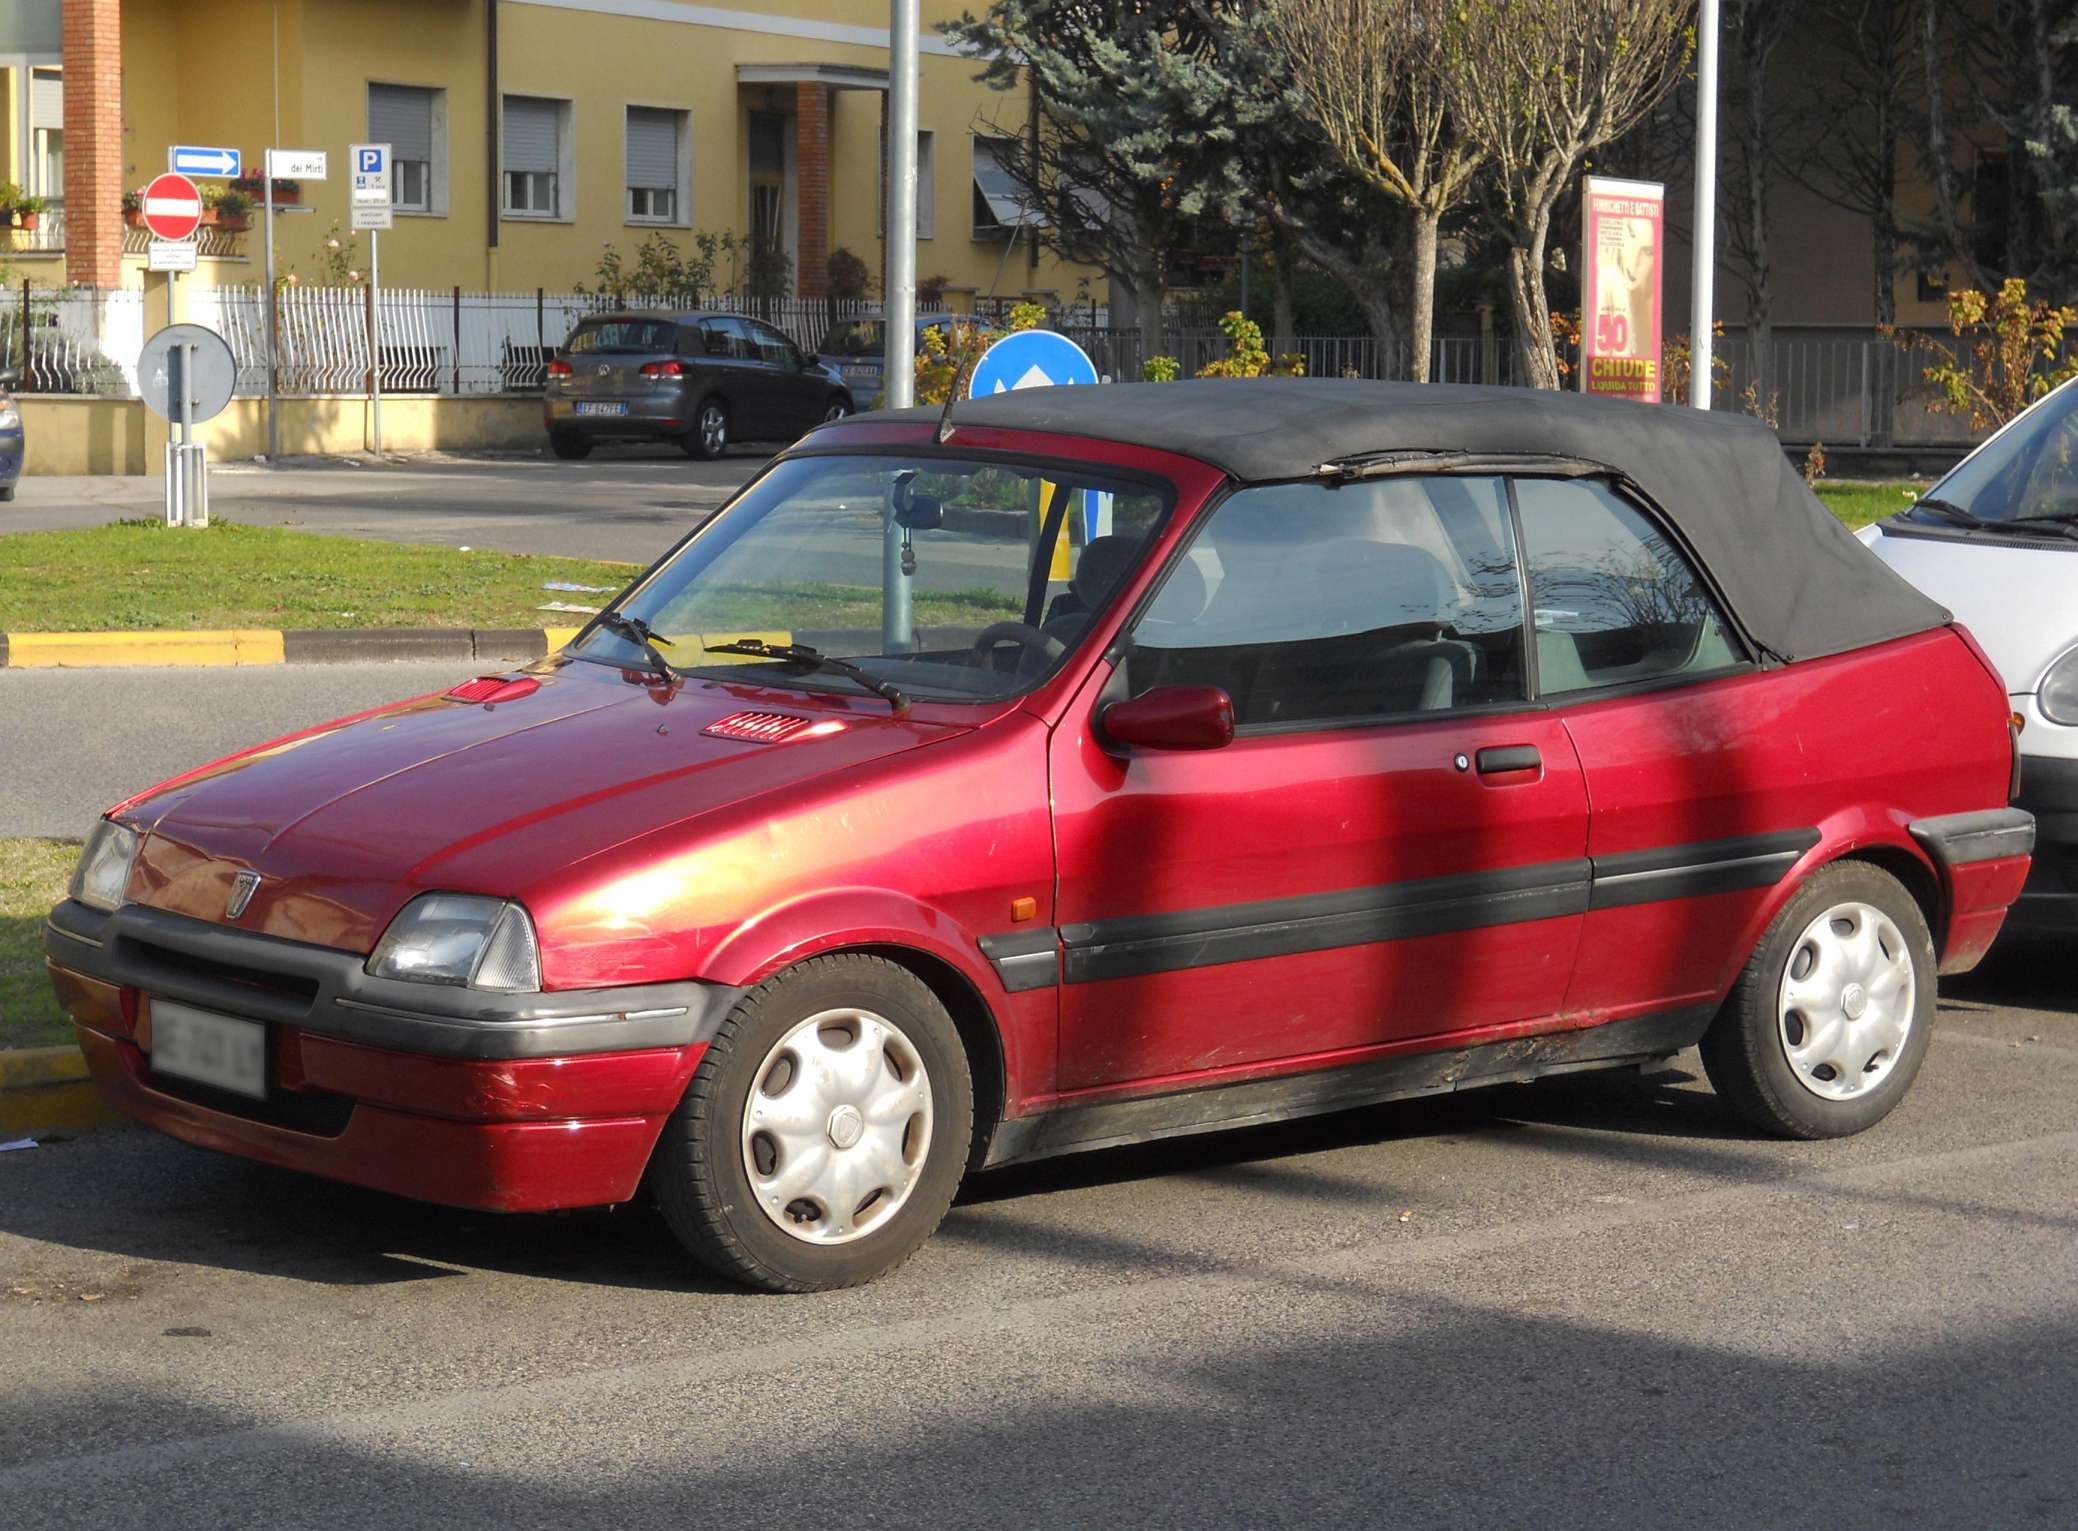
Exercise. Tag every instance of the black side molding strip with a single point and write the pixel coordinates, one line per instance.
(1111, 1124)
(1025, 959)
(1959, 839)
(1690, 871)
(1161, 943)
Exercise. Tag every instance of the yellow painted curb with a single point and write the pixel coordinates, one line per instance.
(230, 646)
(46, 1089)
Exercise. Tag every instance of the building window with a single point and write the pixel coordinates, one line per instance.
(1000, 209)
(659, 166)
(412, 120)
(536, 157)
(46, 170)
(926, 186)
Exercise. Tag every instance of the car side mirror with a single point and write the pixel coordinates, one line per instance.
(1172, 718)
(10, 377)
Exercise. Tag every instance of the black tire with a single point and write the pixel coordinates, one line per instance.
(698, 1173)
(6, 493)
(703, 442)
(570, 448)
(1745, 1051)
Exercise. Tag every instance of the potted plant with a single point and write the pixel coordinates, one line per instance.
(28, 211)
(233, 210)
(133, 207)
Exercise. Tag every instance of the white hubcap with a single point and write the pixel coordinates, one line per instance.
(1847, 1001)
(837, 1126)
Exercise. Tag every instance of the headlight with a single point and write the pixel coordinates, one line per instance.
(104, 866)
(2058, 696)
(10, 418)
(456, 938)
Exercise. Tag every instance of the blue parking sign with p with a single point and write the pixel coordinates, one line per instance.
(368, 159)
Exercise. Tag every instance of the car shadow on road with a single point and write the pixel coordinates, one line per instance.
(2024, 970)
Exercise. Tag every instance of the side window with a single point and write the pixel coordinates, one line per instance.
(1309, 603)
(774, 349)
(1615, 600)
(727, 337)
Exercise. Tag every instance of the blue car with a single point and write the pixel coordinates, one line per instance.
(11, 439)
(857, 349)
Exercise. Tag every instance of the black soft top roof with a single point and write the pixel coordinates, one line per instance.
(1797, 580)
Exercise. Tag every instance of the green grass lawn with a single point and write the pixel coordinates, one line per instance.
(136, 576)
(33, 875)
(1858, 502)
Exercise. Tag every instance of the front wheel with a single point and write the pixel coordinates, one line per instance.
(1826, 1028)
(710, 437)
(823, 1136)
(839, 409)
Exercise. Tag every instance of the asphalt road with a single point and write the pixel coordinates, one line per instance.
(75, 742)
(625, 503)
(1589, 1303)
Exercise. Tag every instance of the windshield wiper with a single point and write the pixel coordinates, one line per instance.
(2063, 522)
(815, 659)
(635, 630)
(1950, 512)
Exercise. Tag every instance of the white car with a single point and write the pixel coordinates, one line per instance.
(1996, 542)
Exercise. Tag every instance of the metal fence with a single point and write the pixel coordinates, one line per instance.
(1845, 387)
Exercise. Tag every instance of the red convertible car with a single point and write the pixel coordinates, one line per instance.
(1091, 766)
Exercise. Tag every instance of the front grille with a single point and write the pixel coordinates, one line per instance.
(266, 994)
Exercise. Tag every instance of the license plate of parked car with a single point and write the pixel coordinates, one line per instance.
(216, 1050)
(602, 409)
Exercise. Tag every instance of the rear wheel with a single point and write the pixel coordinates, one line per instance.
(825, 1131)
(1829, 1022)
(569, 447)
(710, 434)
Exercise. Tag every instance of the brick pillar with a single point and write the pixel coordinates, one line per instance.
(812, 189)
(94, 142)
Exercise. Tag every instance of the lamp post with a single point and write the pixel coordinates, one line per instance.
(1704, 270)
(899, 376)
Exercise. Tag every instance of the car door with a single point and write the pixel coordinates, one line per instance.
(1393, 846)
(797, 396)
(1708, 777)
(739, 375)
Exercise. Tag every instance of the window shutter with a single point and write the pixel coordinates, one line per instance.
(652, 149)
(530, 134)
(47, 100)
(402, 117)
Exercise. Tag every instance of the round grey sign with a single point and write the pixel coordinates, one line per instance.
(213, 371)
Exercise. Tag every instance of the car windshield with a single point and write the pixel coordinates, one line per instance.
(2029, 473)
(954, 580)
(855, 337)
(623, 336)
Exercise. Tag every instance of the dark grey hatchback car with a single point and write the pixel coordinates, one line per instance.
(700, 379)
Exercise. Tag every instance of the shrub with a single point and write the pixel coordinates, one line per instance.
(2012, 353)
(850, 280)
(1247, 357)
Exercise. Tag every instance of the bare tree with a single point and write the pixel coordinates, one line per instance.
(1759, 27)
(1537, 85)
(1370, 76)
(1844, 141)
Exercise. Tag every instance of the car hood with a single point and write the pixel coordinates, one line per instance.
(347, 822)
(2020, 603)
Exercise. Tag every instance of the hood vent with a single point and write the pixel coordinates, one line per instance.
(764, 727)
(494, 688)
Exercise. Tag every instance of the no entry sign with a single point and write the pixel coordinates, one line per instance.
(172, 207)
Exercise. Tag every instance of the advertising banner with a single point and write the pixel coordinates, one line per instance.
(1621, 227)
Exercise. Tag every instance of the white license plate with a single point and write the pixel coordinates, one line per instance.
(859, 374)
(602, 409)
(209, 1049)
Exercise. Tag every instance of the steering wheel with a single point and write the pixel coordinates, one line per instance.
(1024, 635)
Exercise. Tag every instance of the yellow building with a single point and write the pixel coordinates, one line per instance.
(528, 135)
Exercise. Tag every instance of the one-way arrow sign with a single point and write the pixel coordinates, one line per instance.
(195, 159)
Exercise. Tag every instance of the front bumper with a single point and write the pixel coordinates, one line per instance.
(501, 1102)
(2049, 790)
